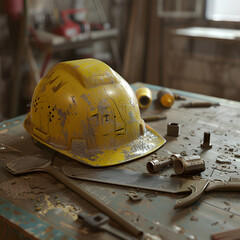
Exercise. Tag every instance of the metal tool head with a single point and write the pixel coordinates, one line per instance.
(28, 164)
(96, 220)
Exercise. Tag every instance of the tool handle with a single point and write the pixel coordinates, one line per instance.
(199, 104)
(154, 118)
(165, 97)
(197, 190)
(95, 202)
(144, 97)
(218, 186)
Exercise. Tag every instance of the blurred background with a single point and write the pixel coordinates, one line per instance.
(191, 45)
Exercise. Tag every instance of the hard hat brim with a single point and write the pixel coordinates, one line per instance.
(142, 146)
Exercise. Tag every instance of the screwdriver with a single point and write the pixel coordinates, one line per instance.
(144, 97)
(153, 118)
(165, 97)
(199, 104)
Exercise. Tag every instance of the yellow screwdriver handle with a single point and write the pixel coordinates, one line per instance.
(166, 97)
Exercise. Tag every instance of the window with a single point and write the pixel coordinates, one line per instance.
(223, 10)
(179, 8)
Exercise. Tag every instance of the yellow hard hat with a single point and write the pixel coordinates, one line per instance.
(86, 111)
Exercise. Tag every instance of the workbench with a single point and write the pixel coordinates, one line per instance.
(37, 206)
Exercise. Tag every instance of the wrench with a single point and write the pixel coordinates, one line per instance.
(100, 221)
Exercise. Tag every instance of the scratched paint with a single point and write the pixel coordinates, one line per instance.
(32, 225)
(4, 131)
(58, 86)
(12, 122)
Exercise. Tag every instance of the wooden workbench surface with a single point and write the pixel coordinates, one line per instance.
(36, 206)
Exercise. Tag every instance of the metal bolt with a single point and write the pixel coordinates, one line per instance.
(206, 140)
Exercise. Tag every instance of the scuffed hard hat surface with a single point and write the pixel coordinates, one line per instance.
(86, 111)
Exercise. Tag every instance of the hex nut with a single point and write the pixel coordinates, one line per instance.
(173, 129)
(188, 164)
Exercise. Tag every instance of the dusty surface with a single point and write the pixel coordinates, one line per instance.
(50, 200)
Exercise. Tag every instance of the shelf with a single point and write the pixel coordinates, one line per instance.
(59, 43)
(209, 33)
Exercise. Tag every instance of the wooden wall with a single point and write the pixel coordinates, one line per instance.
(142, 62)
(204, 66)
(149, 51)
(153, 54)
